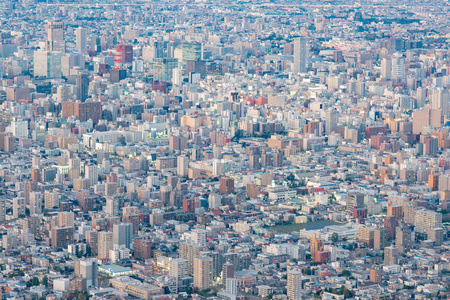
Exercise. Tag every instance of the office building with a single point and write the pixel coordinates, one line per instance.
(87, 269)
(390, 255)
(300, 55)
(203, 272)
(81, 36)
(123, 234)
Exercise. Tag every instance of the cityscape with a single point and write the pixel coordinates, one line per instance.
(224, 150)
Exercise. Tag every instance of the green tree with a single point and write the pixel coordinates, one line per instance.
(335, 237)
(35, 281)
(291, 177)
(45, 281)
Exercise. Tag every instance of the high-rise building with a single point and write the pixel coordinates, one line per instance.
(227, 271)
(163, 68)
(380, 239)
(191, 51)
(376, 275)
(82, 86)
(367, 235)
(390, 255)
(300, 55)
(81, 35)
(182, 166)
(55, 36)
(440, 100)
(398, 67)
(355, 200)
(66, 219)
(226, 185)
(124, 54)
(91, 173)
(315, 245)
(83, 111)
(403, 238)
(61, 236)
(331, 121)
(142, 249)
(294, 285)
(436, 235)
(426, 219)
(2, 211)
(87, 269)
(71, 61)
(189, 251)
(47, 64)
(19, 128)
(31, 225)
(122, 234)
(386, 68)
(426, 117)
(105, 243)
(18, 207)
(178, 267)
(203, 272)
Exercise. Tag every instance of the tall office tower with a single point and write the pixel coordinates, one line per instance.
(316, 245)
(19, 128)
(379, 239)
(105, 243)
(66, 219)
(203, 272)
(178, 267)
(426, 117)
(182, 166)
(390, 255)
(81, 34)
(426, 219)
(61, 236)
(191, 51)
(227, 271)
(354, 200)
(124, 54)
(331, 121)
(91, 172)
(189, 252)
(47, 64)
(386, 68)
(155, 50)
(300, 55)
(82, 86)
(18, 207)
(421, 97)
(36, 203)
(163, 68)
(71, 61)
(398, 67)
(31, 225)
(122, 234)
(55, 37)
(87, 269)
(440, 100)
(2, 211)
(294, 285)
(403, 238)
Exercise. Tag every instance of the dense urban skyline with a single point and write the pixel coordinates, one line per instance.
(224, 149)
